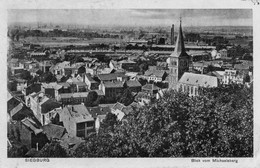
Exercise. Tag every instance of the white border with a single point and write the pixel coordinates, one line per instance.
(126, 4)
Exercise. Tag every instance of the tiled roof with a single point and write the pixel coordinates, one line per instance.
(126, 61)
(199, 80)
(88, 76)
(79, 113)
(150, 87)
(49, 105)
(96, 111)
(64, 84)
(116, 84)
(54, 131)
(111, 76)
(80, 84)
(16, 109)
(118, 106)
(100, 92)
(29, 123)
(51, 85)
(157, 73)
(133, 83)
(74, 95)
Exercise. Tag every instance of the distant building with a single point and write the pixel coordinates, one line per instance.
(77, 120)
(155, 75)
(112, 89)
(29, 133)
(190, 83)
(148, 94)
(178, 62)
(43, 107)
(172, 35)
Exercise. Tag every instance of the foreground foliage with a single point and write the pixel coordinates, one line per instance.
(218, 123)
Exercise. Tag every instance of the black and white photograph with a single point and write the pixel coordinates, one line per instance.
(140, 83)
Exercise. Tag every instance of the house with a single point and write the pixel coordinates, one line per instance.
(112, 89)
(38, 55)
(121, 110)
(112, 77)
(190, 83)
(128, 65)
(233, 76)
(155, 75)
(77, 85)
(19, 112)
(77, 120)
(74, 98)
(91, 83)
(99, 114)
(148, 94)
(20, 84)
(43, 107)
(53, 131)
(35, 87)
(134, 85)
(45, 65)
(52, 89)
(28, 132)
(161, 65)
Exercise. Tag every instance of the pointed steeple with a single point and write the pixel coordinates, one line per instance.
(179, 49)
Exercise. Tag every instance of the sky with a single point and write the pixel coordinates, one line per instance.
(133, 17)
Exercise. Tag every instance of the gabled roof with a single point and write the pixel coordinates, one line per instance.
(29, 123)
(52, 85)
(91, 80)
(126, 61)
(96, 111)
(16, 109)
(150, 87)
(133, 83)
(116, 84)
(157, 73)
(79, 113)
(118, 106)
(74, 95)
(111, 76)
(199, 80)
(53, 131)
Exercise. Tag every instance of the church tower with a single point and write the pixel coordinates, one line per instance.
(178, 62)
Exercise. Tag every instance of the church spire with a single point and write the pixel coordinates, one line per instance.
(179, 46)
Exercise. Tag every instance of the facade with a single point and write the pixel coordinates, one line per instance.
(112, 89)
(155, 75)
(77, 120)
(42, 106)
(73, 98)
(190, 83)
(178, 62)
(91, 83)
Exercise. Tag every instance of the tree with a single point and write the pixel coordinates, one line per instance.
(17, 151)
(52, 149)
(92, 97)
(126, 98)
(48, 77)
(218, 123)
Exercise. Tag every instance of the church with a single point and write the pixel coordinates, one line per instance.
(178, 63)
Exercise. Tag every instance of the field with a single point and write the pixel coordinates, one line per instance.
(64, 41)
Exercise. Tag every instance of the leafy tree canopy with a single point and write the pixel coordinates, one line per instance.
(218, 123)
